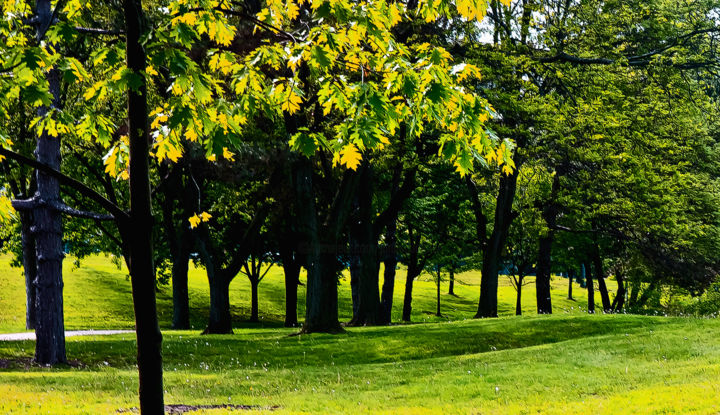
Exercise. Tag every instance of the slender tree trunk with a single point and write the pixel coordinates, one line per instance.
(518, 300)
(542, 279)
(407, 300)
(254, 315)
(291, 268)
(47, 224)
(142, 271)
(487, 306)
(29, 267)
(634, 293)
(181, 302)
(388, 288)
(619, 301)
(355, 271)
(600, 275)
(590, 288)
(570, 274)
(451, 282)
(437, 312)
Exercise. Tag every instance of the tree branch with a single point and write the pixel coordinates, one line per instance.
(112, 208)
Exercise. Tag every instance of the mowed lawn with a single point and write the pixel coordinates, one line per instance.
(98, 295)
(566, 363)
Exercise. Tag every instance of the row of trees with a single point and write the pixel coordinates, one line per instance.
(533, 135)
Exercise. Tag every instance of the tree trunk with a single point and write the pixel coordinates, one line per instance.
(254, 317)
(181, 302)
(29, 267)
(451, 283)
(47, 224)
(518, 301)
(542, 279)
(321, 312)
(220, 319)
(570, 275)
(407, 300)
(291, 268)
(437, 312)
(388, 288)
(142, 271)
(619, 301)
(590, 288)
(355, 271)
(366, 251)
(487, 306)
(600, 275)
(634, 293)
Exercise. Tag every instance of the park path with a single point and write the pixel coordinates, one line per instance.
(69, 333)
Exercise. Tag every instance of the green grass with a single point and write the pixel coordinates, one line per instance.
(566, 363)
(97, 295)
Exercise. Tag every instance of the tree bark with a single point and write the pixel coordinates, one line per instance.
(291, 268)
(388, 288)
(254, 315)
(29, 267)
(451, 282)
(47, 229)
(542, 278)
(321, 312)
(619, 301)
(181, 301)
(407, 300)
(571, 274)
(437, 312)
(600, 275)
(487, 306)
(590, 288)
(142, 270)
(368, 297)
(518, 301)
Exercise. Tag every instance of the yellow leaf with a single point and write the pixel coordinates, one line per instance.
(228, 155)
(292, 102)
(212, 157)
(350, 156)
(194, 221)
(205, 216)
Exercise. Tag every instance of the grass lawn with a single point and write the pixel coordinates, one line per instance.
(566, 363)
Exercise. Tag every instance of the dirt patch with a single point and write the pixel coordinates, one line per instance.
(181, 409)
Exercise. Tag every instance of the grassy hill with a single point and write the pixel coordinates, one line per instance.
(97, 295)
(570, 362)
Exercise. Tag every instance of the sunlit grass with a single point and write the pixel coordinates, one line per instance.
(98, 295)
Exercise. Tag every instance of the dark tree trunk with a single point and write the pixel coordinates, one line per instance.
(355, 271)
(542, 279)
(518, 301)
(451, 282)
(219, 319)
(437, 311)
(29, 267)
(47, 224)
(321, 312)
(388, 288)
(291, 268)
(590, 288)
(619, 301)
(366, 251)
(181, 302)
(254, 317)
(407, 299)
(571, 275)
(634, 293)
(487, 306)
(600, 275)
(142, 271)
